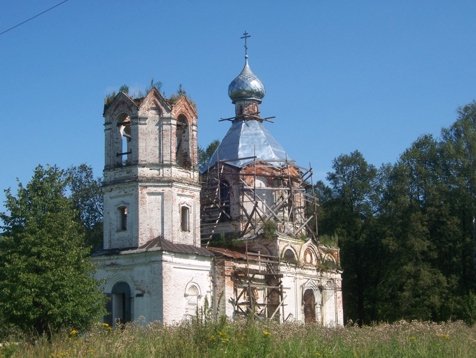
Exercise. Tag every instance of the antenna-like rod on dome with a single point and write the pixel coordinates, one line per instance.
(245, 36)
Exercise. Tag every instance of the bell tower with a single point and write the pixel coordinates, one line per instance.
(151, 179)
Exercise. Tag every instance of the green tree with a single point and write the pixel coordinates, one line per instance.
(46, 278)
(459, 156)
(421, 238)
(458, 148)
(349, 214)
(205, 154)
(86, 196)
(407, 232)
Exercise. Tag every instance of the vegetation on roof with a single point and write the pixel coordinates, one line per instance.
(174, 97)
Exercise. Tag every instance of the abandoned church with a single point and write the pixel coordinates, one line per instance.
(238, 236)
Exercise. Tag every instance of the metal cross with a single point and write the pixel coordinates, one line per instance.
(245, 36)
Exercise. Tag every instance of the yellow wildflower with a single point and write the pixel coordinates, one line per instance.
(266, 333)
(444, 336)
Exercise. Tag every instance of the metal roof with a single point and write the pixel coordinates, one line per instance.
(245, 139)
(158, 244)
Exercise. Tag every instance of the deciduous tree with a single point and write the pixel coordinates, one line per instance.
(86, 195)
(45, 273)
(349, 215)
(205, 154)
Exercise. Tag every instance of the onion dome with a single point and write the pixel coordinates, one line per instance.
(246, 86)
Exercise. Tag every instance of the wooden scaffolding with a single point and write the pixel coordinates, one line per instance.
(258, 288)
(293, 204)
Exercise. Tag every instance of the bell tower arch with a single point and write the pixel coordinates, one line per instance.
(151, 179)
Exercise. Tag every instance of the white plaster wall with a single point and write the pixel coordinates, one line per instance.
(327, 293)
(151, 219)
(160, 212)
(115, 197)
(143, 273)
(332, 300)
(290, 287)
(158, 281)
(180, 270)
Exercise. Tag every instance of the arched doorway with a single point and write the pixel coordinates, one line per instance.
(119, 304)
(309, 306)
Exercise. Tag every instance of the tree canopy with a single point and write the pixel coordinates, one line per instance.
(406, 230)
(205, 154)
(86, 196)
(46, 278)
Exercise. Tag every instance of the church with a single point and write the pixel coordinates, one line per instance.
(237, 238)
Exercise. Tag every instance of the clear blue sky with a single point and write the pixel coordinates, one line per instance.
(339, 75)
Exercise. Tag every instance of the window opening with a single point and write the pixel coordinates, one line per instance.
(185, 220)
(289, 256)
(265, 196)
(122, 218)
(182, 149)
(125, 131)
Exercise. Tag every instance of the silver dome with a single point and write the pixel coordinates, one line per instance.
(246, 86)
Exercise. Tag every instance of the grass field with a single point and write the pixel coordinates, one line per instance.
(252, 339)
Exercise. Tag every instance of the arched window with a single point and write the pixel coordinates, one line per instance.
(289, 256)
(182, 143)
(185, 218)
(122, 218)
(308, 256)
(124, 124)
(329, 261)
(192, 297)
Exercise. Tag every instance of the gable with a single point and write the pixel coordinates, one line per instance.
(183, 107)
(154, 100)
(122, 103)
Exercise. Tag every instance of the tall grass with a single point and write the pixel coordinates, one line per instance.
(252, 339)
